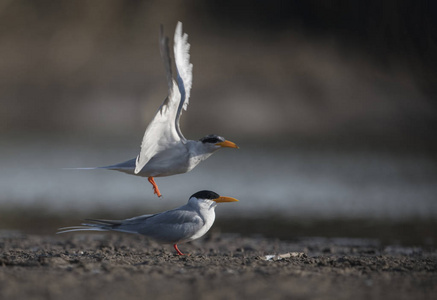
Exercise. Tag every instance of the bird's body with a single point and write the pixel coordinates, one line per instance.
(164, 149)
(179, 159)
(180, 225)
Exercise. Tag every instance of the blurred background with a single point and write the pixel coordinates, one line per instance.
(333, 105)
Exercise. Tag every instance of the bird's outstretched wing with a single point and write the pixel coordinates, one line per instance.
(183, 66)
(164, 130)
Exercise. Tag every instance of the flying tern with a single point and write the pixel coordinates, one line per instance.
(183, 224)
(164, 149)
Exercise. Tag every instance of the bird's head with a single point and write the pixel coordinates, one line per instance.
(214, 142)
(204, 198)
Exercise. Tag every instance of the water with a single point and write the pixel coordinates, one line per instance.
(290, 181)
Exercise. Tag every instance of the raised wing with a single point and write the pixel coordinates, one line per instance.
(164, 130)
(183, 65)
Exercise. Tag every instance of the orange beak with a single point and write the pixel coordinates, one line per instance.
(225, 199)
(227, 144)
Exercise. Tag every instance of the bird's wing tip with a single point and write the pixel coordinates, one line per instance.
(139, 165)
(179, 27)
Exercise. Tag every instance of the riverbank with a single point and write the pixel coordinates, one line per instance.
(122, 266)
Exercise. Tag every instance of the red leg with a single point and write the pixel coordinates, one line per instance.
(177, 250)
(155, 186)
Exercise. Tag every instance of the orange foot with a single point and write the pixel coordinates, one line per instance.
(177, 250)
(155, 186)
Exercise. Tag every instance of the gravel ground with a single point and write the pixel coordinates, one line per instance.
(220, 266)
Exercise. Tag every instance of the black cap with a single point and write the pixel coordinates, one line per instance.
(212, 138)
(206, 195)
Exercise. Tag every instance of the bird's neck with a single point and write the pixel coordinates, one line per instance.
(206, 209)
(199, 151)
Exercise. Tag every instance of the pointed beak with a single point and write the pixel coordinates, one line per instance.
(227, 144)
(225, 199)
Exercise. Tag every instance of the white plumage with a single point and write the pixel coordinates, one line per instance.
(183, 65)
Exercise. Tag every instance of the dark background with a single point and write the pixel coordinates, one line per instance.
(281, 70)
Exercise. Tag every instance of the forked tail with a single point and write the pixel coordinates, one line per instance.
(97, 225)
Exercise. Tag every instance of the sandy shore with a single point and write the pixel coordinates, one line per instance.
(221, 266)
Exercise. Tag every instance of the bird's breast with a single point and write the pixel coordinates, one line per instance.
(208, 219)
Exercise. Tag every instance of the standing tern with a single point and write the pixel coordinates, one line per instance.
(180, 225)
(164, 149)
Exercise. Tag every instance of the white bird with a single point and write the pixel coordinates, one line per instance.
(180, 225)
(164, 149)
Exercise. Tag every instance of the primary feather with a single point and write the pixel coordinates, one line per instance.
(183, 65)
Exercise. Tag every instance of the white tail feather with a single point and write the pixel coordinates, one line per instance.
(80, 228)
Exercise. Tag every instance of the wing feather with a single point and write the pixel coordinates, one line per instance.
(172, 226)
(164, 130)
(183, 65)
(161, 133)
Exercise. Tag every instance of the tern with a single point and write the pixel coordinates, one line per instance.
(180, 225)
(164, 149)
